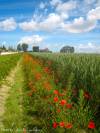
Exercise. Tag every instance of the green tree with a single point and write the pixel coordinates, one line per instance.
(67, 49)
(19, 47)
(24, 47)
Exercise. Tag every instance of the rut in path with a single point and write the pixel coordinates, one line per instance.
(4, 91)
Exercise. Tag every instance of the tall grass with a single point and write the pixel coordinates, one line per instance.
(79, 71)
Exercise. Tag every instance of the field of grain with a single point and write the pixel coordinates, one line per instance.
(50, 93)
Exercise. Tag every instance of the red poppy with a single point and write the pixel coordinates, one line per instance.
(55, 99)
(56, 92)
(91, 125)
(87, 95)
(63, 102)
(62, 124)
(55, 125)
(47, 85)
(56, 81)
(38, 76)
(69, 125)
(58, 110)
(47, 70)
(68, 105)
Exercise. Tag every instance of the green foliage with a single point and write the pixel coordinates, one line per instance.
(7, 62)
(24, 47)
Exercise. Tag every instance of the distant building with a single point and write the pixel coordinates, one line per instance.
(35, 48)
(45, 50)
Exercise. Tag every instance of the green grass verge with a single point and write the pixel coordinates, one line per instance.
(13, 117)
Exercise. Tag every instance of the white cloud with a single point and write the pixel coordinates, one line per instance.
(52, 22)
(8, 24)
(42, 5)
(97, 3)
(89, 1)
(55, 2)
(34, 39)
(66, 6)
(29, 26)
(94, 14)
(79, 25)
(88, 48)
(58, 20)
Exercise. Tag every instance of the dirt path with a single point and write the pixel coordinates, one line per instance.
(4, 91)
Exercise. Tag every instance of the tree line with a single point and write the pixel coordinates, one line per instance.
(24, 47)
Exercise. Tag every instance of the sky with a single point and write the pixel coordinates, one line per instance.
(51, 24)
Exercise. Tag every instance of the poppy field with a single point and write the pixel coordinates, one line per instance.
(56, 93)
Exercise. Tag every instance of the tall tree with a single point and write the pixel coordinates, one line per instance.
(19, 47)
(67, 49)
(24, 47)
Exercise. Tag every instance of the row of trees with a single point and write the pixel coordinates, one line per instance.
(24, 47)
(5, 49)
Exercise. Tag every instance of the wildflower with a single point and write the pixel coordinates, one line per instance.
(87, 95)
(55, 99)
(47, 70)
(68, 105)
(55, 125)
(58, 110)
(30, 94)
(69, 125)
(91, 125)
(47, 85)
(63, 102)
(62, 124)
(56, 92)
(38, 76)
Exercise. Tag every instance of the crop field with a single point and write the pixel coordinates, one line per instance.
(50, 93)
(7, 63)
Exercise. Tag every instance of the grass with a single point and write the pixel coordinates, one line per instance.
(7, 62)
(13, 116)
(54, 94)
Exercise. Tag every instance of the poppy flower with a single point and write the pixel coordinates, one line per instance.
(55, 99)
(55, 125)
(63, 102)
(87, 95)
(47, 85)
(69, 125)
(68, 105)
(58, 110)
(47, 70)
(62, 124)
(91, 125)
(38, 76)
(56, 92)
(56, 81)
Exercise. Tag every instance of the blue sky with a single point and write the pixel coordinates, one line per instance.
(51, 23)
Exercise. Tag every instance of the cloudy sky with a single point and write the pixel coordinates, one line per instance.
(51, 23)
